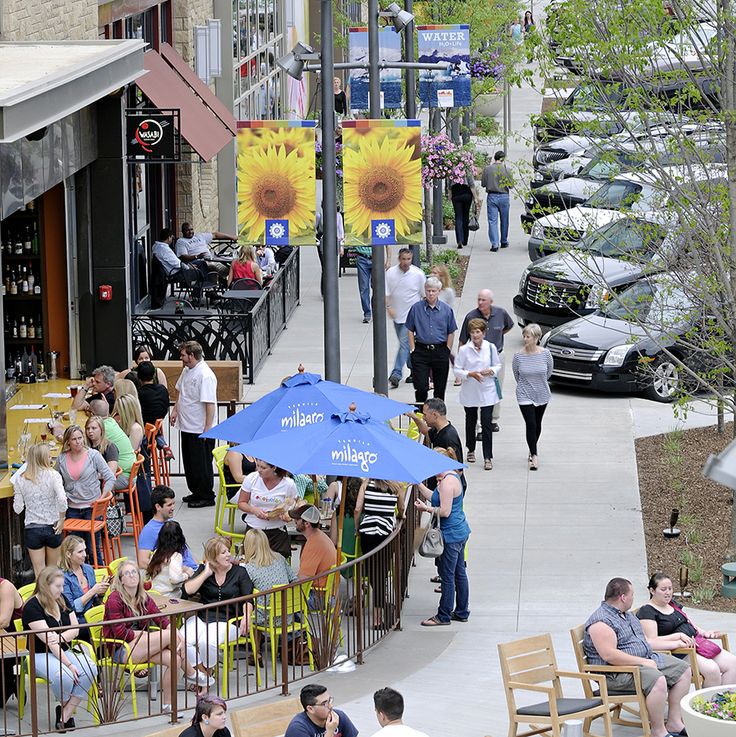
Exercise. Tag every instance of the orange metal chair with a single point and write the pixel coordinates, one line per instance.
(134, 511)
(159, 463)
(98, 523)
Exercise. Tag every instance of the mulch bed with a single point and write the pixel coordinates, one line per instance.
(669, 479)
(462, 270)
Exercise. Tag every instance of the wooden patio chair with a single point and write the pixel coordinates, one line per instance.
(530, 665)
(633, 702)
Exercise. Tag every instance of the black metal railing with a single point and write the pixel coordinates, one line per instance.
(245, 333)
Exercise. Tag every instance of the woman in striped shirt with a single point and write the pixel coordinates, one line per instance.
(378, 501)
(532, 367)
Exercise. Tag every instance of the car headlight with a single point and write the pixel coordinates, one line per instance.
(617, 355)
(522, 281)
(537, 231)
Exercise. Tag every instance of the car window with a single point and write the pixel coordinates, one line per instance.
(624, 238)
(615, 196)
(661, 305)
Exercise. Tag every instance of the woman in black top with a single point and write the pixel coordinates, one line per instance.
(71, 673)
(218, 579)
(341, 100)
(236, 467)
(210, 718)
(462, 195)
(667, 628)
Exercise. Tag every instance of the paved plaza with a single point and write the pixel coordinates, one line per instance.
(543, 543)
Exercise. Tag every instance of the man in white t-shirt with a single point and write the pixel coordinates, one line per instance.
(404, 287)
(192, 246)
(389, 705)
(195, 412)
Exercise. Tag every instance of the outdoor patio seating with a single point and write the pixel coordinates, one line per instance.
(530, 665)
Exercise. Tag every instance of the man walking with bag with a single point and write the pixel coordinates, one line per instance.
(497, 181)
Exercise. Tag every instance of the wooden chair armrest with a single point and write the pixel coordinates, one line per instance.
(598, 678)
(633, 669)
(723, 637)
(517, 686)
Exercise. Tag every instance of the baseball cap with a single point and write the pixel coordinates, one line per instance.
(307, 512)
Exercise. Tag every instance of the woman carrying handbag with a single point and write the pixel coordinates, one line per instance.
(446, 501)
(463, 195)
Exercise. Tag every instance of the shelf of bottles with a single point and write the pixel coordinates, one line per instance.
(22, 291)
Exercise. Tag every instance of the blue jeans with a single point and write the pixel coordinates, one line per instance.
(498, 204)
(87, 514)
(61, 678)
(364, 283)
(403, 357)
(455, 591)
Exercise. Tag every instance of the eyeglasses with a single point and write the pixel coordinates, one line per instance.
(131, 572)
(326, 702)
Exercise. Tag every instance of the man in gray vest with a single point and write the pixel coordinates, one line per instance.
(613, 636)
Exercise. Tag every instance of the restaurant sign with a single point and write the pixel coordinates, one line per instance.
(152, 135)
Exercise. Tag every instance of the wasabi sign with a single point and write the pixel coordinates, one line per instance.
(450, 44)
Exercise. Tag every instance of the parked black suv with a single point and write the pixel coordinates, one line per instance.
(565, 285)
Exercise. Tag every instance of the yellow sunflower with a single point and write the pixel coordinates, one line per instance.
(300, 140)
(274, 184)
(382, 180)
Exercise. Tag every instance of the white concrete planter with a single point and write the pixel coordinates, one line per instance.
(488, 105)
(700, 725)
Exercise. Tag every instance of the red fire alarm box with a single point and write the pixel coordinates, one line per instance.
(105, 292)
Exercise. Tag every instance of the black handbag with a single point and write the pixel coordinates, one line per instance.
(433, 544)
(473, 223)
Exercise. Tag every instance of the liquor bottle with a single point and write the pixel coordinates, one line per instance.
(13, 283)
(7, 279)
(28, 243)
(18, 248)
(36, 285)
(24, 281)
(31, 329)
(23, 328)
(39, 328)
(34, 241)
(15, 329)
(34, 365)
(31, 279)
(24, 363)
(18, 367)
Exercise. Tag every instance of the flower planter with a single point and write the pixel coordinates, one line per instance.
(488, 104)
(700, 725)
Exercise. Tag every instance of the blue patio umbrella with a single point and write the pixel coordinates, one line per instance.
(350, 444)
(302, 401)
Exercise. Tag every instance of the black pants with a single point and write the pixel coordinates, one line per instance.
(422, 360)
(377, 568)
(533, 420)
(461, 203)
(197, 456)
(486, 420)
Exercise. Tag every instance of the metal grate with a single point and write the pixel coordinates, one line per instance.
(554, 295)
(575, 354)
(550, 155)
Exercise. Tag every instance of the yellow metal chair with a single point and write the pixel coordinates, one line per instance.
(224, 505)
(26, 592)
(97, 615)
(228, 655)
(283, 619)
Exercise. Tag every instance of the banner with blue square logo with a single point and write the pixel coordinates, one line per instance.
(383, 232)
(277, 232)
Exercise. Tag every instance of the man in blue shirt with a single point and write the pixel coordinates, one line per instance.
(319, 719)
(162, 502)
(431, 325)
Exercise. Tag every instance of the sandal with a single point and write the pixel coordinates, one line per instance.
(438, 590)
(434, 622)
(470, 458)
(532, 464)
(435, 579)
(487, 464)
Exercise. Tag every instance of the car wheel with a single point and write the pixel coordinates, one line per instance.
(663, 380)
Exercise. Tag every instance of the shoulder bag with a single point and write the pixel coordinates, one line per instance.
(473, 223)
(433, 544)
(703, 646)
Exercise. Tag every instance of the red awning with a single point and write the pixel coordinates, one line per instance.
(206, 124)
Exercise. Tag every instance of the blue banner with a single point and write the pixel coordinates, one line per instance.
(277, 232)
(383, 232)
(445, 43)
(390, 50)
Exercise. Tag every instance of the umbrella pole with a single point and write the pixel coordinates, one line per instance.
(341, 517)
(314, 490)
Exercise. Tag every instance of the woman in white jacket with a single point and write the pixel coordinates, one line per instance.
(477, 364)
(166, 570)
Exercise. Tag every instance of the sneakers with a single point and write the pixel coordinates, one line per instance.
(470, 458)
(366, 318)
(394, 380)
(200, 679)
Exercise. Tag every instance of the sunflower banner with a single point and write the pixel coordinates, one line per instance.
(276, 182)
(382, 175)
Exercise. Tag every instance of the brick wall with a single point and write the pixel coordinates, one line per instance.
(197, 182)
(48, 20)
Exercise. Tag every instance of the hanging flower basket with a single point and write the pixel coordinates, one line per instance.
(443, 159)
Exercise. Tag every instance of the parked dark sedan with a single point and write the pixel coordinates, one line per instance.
(620, 348)
(565, 285)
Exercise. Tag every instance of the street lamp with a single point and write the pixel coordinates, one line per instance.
(400, 18)
(293, 63)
